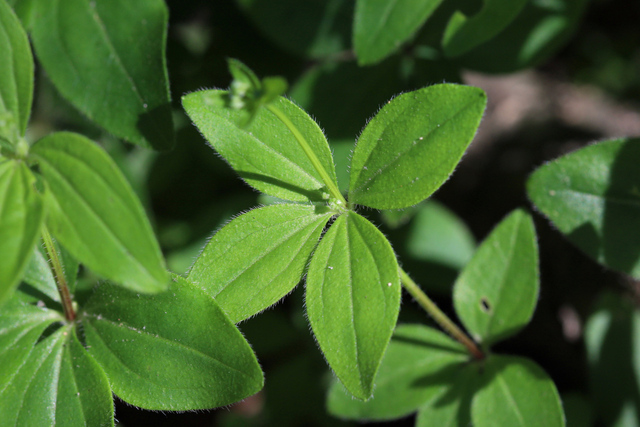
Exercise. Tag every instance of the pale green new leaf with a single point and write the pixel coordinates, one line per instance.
(497, 292)
(518, 393)
(258, 258)
(107, 58)
(21, 216)
(16, 75)
(265, 153)
(174, 351)
(95, 214)
(353, 299)
(380, 27)
(416, 368)
(593, 197)
(411, 146)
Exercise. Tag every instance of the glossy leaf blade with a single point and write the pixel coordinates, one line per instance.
(518, 393)
(95, 214)
(382, 26)
(258, 258)
(16, 75)
(265, 153)
(497, 292)
(593, 197)
(107, 58)
(21, 216)
(352, 299)
(410, 148)
(176, 350)
(417, 363)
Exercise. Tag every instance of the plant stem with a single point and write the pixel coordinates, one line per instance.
(61, 281)
(331, 186)
(440, 318)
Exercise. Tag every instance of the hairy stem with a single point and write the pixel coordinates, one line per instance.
(440, 318)
(61, 281)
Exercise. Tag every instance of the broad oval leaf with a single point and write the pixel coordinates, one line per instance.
(265, 153)
(16, 75)
(412, 145)
(258, 258)
(380, 27)
(463, 33)
(497, 291)
(518, 393)
(107, 58)
(173, 351)
(417, 364)
(353, 299)
(593, 197)
(21, 216)
(95, 214)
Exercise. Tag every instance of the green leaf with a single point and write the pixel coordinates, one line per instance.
(94, 213)
(107, 58)
(497, 292)
(258, 257)
(415, 369)
(39, 273)
(463, 33)
(16, 75)
(175, 351)
(593, 197)
(412, 145)
(382, 26)
(265, 153)
(21, 216)
(353, 299)
(518, 393)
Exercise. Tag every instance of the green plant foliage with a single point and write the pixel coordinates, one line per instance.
(593, 197)
(381, 26)
(496, 293)
(353, 299)
(199, 358)
(38, 273)
(107, 58)
(413, 144)
(259, 257)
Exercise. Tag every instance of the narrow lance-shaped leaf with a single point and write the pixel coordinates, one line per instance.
(497, 291)
(21, 216)
(107, 58)
(411, 146)
(353, 299)
(95, 214)
(258, 258)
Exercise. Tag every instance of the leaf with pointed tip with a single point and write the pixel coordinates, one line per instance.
(21, 216)
(411, 146)
(107, 58)
(95, 214)
(353, 299)
(496, 293)
(258, 258)
(199, 359)
(593, 197)
(265, 153)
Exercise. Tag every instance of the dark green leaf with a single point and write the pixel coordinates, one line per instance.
(382, 26)
(176, 350)
(94, 213)
(497, 292)
(577, 409)
(258, 257)
(416, 367)
(353, 299)
(593, 196)
(21, 216)
(412, 145)
(265, 153)
(107, 58)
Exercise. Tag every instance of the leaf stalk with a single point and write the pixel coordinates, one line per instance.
(61, 281)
